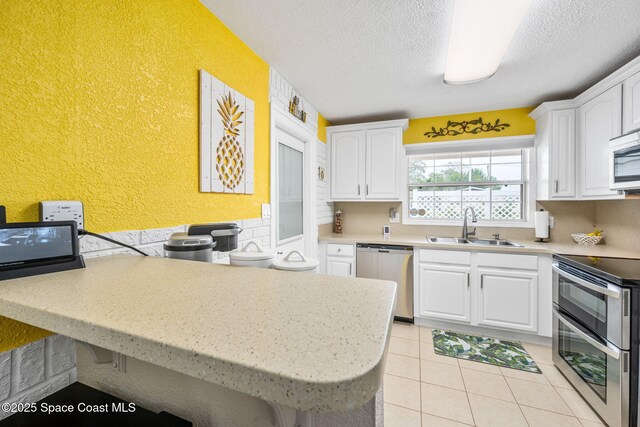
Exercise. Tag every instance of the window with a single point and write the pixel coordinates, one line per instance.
(493, 183)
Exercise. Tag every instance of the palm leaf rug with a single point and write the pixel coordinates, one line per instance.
(507, 354)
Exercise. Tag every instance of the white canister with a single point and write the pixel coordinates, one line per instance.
(296, 261)
(246, 257)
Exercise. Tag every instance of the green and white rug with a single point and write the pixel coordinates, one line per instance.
(507, 354)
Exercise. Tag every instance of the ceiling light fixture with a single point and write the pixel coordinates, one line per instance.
(480, 35)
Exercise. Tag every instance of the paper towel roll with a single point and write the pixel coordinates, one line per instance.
(541, 219)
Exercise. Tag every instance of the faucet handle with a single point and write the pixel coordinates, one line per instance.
(496, 236)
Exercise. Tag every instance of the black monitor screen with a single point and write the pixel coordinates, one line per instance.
(28, 244)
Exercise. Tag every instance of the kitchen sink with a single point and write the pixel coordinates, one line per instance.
(493, 242)
(479, 242)
(446, 240)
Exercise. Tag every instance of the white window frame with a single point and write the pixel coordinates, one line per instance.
(487, 144)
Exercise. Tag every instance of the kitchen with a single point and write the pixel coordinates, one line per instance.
(451, 198)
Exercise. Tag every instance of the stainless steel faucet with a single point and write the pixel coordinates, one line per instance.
(465, 231)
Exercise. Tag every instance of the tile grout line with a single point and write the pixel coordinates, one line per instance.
(466, 394)
(516, 399)
(420, 375)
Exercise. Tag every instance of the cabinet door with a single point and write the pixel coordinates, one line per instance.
(340, 266)
(508, 299)
(443, 292)
(631, 104)
(599, 120)
(563, 154)
(347, 165)
(383, 163)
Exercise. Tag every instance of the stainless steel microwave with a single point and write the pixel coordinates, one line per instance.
(624, 162)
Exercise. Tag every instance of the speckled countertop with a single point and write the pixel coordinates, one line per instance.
(527, 247)
(306, 341)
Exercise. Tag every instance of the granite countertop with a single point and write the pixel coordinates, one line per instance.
(306, 341)
(527, 246)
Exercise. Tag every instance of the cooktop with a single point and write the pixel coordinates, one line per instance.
(617, 270)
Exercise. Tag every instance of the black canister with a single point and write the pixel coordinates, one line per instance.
(224, 234)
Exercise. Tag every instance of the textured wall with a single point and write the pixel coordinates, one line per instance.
(322, 128)
(103, 107)
(99, 102)
(14, 334)
(518, 119)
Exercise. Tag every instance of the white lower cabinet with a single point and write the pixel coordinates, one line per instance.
(444, 292)
(340, 266)
(337, 259)
(508, 299)
(494, 290)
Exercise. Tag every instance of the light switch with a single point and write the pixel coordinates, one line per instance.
(266, 211)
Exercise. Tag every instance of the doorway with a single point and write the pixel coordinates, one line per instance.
(292, 187)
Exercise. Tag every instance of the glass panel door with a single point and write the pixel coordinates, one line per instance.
(626, 165)
(290, 197)
(586, 360)
(586, 305)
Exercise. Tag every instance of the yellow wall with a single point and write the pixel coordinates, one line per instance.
(520, 124)
(99, 103)
(322, 128)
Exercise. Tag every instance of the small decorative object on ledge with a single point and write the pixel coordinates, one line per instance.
(296, 109)
(472, 126)
(338, 222)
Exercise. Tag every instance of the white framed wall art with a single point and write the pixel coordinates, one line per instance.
(226, 138)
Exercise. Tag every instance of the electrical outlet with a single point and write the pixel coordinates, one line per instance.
(62, 210)
(266, 211)
(393, 216)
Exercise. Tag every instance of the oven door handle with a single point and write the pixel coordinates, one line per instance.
(614, 293)
(615, 353)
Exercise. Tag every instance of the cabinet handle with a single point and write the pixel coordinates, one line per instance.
(350, 267)
(358, 189)
(367, 189)
(482, 281)
(468, 280)
(556, 186)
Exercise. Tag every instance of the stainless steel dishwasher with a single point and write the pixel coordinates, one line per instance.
(394, 263)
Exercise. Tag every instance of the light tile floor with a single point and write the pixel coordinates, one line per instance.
(423, 389)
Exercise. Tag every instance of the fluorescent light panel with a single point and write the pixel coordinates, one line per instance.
(480, 35)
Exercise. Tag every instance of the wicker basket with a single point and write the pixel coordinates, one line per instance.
(583, 239)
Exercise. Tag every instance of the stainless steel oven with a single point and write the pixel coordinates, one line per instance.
(593, 343)
(601, 306)
(596, 368)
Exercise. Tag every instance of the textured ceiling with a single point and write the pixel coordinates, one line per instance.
(378, 59)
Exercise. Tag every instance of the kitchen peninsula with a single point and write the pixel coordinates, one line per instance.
(312, 346)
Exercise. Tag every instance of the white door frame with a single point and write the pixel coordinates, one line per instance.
(287, 123)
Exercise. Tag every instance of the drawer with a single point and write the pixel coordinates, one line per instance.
(501, 260)
(340, 250)
(445, 257)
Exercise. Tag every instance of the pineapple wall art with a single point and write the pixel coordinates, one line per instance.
(226, 138)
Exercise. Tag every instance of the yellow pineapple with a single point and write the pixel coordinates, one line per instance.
(229, 155)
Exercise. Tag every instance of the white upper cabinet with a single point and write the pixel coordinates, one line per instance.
(556, 155)
(347, 165)
(383, 163)
(599, 120)
(572, 137)
(366, 160)
(631, 104)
